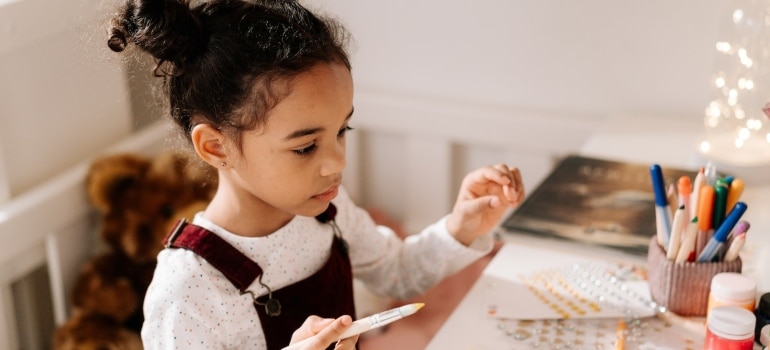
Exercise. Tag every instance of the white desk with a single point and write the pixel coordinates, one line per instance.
(634, 139)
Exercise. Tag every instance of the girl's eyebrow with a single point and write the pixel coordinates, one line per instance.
(310, 131)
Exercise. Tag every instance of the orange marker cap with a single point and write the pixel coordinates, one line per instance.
(684, 185)
(734, 193)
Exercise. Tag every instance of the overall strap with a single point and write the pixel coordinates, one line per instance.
(239, 269)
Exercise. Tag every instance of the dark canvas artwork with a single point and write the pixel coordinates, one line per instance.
(594, 201)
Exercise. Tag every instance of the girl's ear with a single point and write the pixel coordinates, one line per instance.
(209, 144)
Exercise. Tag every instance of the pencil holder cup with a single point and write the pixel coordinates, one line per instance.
(683, 288)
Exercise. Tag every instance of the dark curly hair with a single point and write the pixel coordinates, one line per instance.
(225, 62)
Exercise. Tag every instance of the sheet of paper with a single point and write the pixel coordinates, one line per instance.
(565, 287)
(472, 327)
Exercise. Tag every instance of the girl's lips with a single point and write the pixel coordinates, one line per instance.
(328, 195)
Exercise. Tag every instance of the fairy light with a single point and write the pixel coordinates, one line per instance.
(705, 146)
(723, 47)
(737, 118)
(739, 114)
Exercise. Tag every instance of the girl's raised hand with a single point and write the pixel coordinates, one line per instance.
(485, 195)
(317, 333)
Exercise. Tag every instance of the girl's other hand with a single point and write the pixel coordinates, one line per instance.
(317, 333)
(485, 195)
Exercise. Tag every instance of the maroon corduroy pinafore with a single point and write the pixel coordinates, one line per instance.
(327, 293)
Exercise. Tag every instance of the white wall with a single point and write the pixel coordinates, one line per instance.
(61, 99)
(592, 57)
(516, 81)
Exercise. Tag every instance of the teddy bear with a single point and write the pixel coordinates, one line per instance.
(138, 199)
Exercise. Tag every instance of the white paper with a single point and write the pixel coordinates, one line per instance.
(567, 286)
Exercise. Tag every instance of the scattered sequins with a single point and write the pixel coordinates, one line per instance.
(584, 289)
(585, 334)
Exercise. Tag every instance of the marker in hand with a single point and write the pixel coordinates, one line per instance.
(371, 322)
(381, 319)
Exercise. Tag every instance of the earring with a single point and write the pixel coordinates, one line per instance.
(223, 164)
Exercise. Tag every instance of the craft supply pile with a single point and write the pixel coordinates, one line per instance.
(691, 294)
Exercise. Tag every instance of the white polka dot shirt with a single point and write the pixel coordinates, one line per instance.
(191, 305)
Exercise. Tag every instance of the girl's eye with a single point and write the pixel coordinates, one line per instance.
(306, 151)
(344, 131)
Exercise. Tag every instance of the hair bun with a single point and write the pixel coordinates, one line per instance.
(166, 29)
(116, 39)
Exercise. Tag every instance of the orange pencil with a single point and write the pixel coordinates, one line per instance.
(705, 217)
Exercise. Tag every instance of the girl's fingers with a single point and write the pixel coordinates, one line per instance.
(332, 332)
(498, 180)
(347, 343)
(518, 184)
(513, 188)
(317, 324)
(496, 174)
(317, 333)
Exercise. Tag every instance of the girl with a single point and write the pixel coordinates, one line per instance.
(263, 92)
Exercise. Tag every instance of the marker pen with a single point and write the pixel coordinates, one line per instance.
(677, 229)
(700, 181)
(734, 193)
(720, 202)
(720, 235)
(380, 319)
(684, 191)
(735, 247)
(687, 249)
(705, 213)
(662, 208)
(735, 240)
(370, 322)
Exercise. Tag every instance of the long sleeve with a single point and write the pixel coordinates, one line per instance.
(399, 268)
(190, 304)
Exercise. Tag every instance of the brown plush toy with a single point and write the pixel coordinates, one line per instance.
(139, 199)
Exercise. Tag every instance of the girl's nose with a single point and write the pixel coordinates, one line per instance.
(334, 162)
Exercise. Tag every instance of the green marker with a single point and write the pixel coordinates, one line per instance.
(721, 188)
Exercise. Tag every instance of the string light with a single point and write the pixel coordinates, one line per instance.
(737, 119)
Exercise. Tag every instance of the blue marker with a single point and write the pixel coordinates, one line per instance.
(720, 236)
(662, 208)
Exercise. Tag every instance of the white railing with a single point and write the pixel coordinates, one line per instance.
(406, 157)
(51, 227)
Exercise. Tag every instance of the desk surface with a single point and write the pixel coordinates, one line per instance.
(645, 140)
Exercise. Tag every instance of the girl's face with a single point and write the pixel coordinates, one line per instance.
(294, 163)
